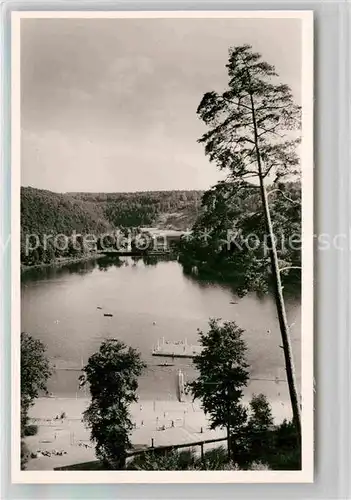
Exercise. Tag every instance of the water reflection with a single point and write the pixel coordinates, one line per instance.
(53, 272)
(102, 263)
(292, 289)
(148, 298)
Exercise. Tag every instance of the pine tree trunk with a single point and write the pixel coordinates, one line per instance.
(279, 299)
(284, 327)
(229, 443)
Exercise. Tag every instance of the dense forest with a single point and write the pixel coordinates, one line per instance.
(163, 209)
(227, 210)
(229, 239)
(48, 213)
(45, 212)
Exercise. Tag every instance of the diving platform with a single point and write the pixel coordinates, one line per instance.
(176, 349)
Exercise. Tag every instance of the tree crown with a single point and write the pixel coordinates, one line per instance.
(251, 118)
(35, 368)
(112, 374)
(223, 373)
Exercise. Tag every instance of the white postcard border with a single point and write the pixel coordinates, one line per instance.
(55, 477)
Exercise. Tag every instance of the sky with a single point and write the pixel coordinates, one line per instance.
(110, 105)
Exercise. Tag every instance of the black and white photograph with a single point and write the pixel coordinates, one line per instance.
(162, 192)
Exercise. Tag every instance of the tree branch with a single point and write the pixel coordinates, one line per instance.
(289, 267)
(297, 202)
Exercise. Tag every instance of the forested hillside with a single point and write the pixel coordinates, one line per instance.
(163, 209)
(45, 212)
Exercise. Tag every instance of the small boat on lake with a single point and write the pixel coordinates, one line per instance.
(109, 315)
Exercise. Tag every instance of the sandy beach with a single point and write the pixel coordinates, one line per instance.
(65, 441)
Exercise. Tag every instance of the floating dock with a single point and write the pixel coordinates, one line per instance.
(176, 349)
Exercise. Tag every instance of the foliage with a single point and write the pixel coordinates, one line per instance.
(258, 466)
(286, 451)
(112, 374)
(250, 136)
(262, 442)
(25, 454)
(229, 242)
(31, 430)
(255, 439)
(35, 371)
(45, 212)
(223, 373)
(261, 417)
(147, 208)
(51, 214)
(281, 456)
(169, 460)
(255, 442)
(251, 117)
(213, 459)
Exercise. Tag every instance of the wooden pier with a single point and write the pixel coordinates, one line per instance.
(176, 349)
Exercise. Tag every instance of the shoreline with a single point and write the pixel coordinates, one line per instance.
(61, 262)
(63, 439)
(64, 261)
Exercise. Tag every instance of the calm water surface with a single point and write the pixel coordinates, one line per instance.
(60, 306)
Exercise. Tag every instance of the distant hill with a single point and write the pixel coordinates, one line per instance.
(48, 212)
(163, 209)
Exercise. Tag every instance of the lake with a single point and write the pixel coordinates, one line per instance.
(148, 301)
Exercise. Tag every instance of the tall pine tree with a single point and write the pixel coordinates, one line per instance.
(249, 136)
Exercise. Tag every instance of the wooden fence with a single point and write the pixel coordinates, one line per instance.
(172, 447)
(151, 449)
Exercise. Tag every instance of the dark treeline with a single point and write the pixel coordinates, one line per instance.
(229, 239)
(47, 213)
(223, 213)
(175, 209)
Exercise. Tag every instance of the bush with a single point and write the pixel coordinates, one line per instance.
(258, 466)
(262, 442)
(24, 454)
(165, 460)
(286, 452)
(31, 430)
(214, 459)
